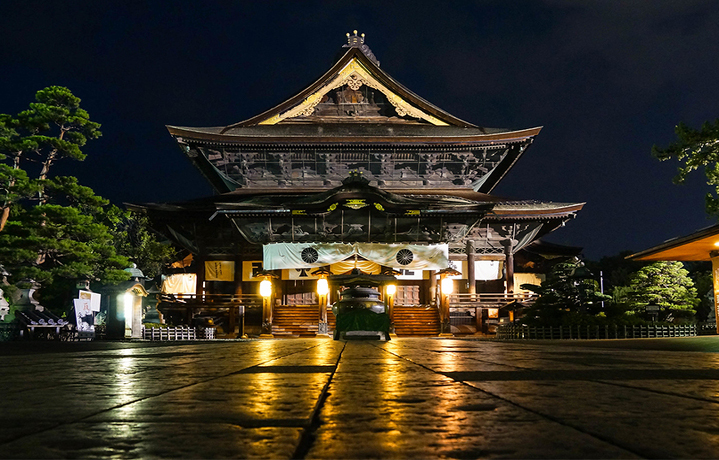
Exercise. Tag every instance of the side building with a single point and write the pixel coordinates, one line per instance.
(355, 172)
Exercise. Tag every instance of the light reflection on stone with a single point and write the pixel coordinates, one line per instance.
(125, 379)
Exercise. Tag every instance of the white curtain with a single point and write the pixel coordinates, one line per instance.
(308, 255)
(179, 283)
(485, 270)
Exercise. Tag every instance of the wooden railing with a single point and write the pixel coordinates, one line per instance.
(517, 331)
(490, 299)
(212, 299)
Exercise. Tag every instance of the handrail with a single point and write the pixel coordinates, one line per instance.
(490, 298)
(212, 298)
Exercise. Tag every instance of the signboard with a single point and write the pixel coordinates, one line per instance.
(219, 270)
(411, 275)
(250, 269)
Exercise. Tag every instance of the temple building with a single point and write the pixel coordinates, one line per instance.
(354, 172)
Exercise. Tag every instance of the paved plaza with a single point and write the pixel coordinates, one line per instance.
(318, 398)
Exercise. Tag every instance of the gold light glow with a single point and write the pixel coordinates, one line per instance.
(322, 286)
(391, 289)
(447, 286)
(266, 288)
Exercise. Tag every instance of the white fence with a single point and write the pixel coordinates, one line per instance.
(516, 331)
(177, 333)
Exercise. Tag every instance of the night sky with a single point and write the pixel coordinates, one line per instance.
(606, 80)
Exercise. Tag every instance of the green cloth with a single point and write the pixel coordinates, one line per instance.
(362, 319)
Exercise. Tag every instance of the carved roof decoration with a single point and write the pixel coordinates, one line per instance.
(354, 70)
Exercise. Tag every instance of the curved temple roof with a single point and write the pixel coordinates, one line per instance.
(354, 105)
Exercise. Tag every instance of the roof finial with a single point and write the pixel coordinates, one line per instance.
(357, 41)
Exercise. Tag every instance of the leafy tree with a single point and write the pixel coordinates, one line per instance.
(568, 290)
(696, 149)
(134, 238)
(667, 285)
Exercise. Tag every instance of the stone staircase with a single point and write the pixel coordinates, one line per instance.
(416, 321)
(295, 321)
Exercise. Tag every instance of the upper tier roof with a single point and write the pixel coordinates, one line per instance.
(354, 117)
(357, 101)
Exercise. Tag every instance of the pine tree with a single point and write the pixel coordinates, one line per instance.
(51, 226)
(666, 285)
(569, 290)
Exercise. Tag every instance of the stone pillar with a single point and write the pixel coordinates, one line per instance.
(445, 328)
(266, 331)
(471, 278)
(715, 277)
(432, 300)
(136, 317)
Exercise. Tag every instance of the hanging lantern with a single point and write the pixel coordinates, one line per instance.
(391, 289)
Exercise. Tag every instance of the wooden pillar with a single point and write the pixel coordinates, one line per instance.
(715, 277)
(471, 278)
(238, 276)
(200, 271)
(509, 264)
(234, 306)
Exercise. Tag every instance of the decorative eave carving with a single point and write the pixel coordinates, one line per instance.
(354, 75)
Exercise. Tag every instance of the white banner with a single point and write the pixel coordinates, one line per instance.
(84, 316)
(398, 256)
(94, 299)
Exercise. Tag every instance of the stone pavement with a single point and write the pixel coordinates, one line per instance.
(317, 398)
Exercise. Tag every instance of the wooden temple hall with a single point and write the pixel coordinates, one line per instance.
(355, 172)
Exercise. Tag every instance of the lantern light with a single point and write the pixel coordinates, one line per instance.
(447, 286)
(266, 288)
(322, 287)
(391, 289)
